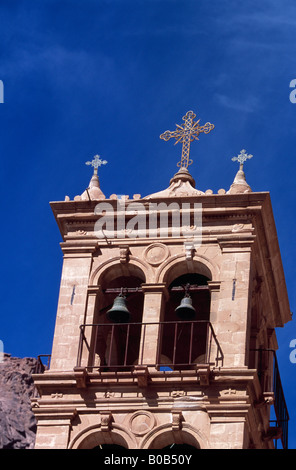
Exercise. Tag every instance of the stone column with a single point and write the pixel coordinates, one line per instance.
(231, 322)
(54, 426)
(154, 300)
(228, 433)
(71, 306)
(214, 354)
(87, 345)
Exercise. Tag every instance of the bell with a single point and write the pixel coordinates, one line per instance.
(186, 311)
(119, 313)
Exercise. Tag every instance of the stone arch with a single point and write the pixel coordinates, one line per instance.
(117, 346)
(163, 435)
(93, 436)
(133, 267)
(119, 275)
(192, 344)
(177, 266)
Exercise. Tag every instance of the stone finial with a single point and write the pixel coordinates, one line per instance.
(182, 184)
(240, 184)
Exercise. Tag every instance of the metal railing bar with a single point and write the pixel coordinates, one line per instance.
(126, 344)
(175, 343)
(128, 290)
(190, 346)
(178, 328)
(111, 343)
(280, 406)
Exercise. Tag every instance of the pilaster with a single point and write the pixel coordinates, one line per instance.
(71, 305)
(154, 299)
(54, 425)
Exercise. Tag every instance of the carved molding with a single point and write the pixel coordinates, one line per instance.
(189, 251)
(80, 374)
(177, 418)
(142, 375)
(141, 422)
(124, 253)
(156, 253)
(106, 420)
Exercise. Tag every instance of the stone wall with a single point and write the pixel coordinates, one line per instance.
(17, 422)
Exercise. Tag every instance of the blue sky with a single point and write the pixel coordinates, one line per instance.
(83, 77)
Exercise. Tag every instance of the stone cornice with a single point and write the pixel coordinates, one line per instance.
(57, 415)
(79, 248)
(222, 377)
(213, 206)
(235, 242)
(238, 215)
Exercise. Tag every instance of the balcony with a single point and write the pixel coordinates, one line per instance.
(163, 345)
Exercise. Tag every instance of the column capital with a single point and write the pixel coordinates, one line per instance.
(235, 244)
(214, 286)
(79, 250)
(55, 415)
(151, 287)
(93, 290)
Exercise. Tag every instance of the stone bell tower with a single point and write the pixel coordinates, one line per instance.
(165, 327)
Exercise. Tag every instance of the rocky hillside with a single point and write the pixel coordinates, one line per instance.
(17, 422)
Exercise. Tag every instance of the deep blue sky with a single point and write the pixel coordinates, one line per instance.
(109, 76)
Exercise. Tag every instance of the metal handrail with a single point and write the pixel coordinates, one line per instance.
(40, 365)
(280, 406)
(91, 343)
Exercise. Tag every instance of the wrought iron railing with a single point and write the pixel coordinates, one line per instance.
(42, 363)
(173, 345)
(269, 376)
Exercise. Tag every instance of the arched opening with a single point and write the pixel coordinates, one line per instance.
(179, 448)
(98, 440)
(166, 440)
(184, 337)
(117, 342)
(181, 267)
(110, 448)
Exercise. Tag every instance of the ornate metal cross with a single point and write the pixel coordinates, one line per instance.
(186, 134)
(241, 158)
(96, 162)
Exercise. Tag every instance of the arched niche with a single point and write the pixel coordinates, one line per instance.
(110, 448)
(198, 292)
(118, 344)
(164, 437)
(113, 267)
(180, 448)
(92, 437)
(177, 267)
(184, 338)
(120, 270)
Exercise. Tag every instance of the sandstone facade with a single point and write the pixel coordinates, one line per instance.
(218, 399)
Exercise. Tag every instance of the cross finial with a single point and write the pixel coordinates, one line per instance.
(96, 162)
(241, 158)
(186, 134)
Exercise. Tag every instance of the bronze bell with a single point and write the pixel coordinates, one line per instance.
(186, 311)
(119, 313)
